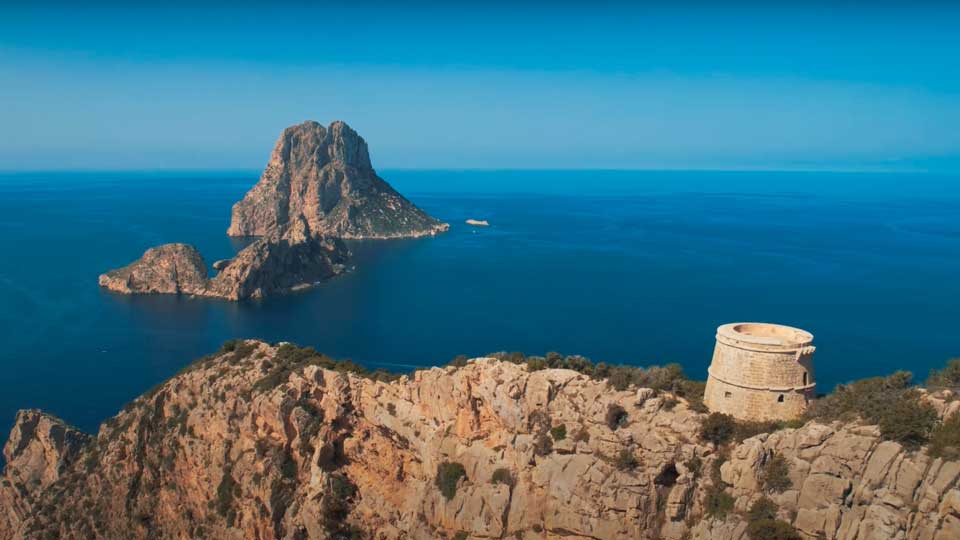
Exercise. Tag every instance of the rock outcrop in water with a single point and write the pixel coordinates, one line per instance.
(278, 263)
(325, 175)
(166, 269)
(260, 441)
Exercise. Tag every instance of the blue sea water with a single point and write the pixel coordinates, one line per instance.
(620, 266)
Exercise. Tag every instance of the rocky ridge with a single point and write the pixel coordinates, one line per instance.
(278, 263)
(324, 174)
(263, 441)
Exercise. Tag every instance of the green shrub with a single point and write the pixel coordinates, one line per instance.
(763, 508)
(543, 445)
(335, 506)
(775, 476)
(718, 503)
(461, 535)
(945, 439)
(448, 476)
(502, 476)
(718, 428)
(747, 429)
(693, 391)
(582, 435)
(392, 409)
(771, 529)
(558, 433)
(694, 465)
(948, 377)
(909, 422)
(867, 398)
(616, 417)
(626, 461)
(669, 404)
(536, 364)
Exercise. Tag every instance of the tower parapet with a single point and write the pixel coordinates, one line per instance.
(761, 371)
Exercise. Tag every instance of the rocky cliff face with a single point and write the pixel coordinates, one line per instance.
(325, 175)
(281, 262)
(166, 269)
(269, 442)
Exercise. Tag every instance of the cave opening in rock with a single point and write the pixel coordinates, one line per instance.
(668, 476)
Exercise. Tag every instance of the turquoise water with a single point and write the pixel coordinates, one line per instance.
(625, 267)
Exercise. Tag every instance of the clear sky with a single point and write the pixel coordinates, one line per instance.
(485, 85)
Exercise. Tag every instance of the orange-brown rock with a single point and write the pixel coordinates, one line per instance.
(263, 441)
(324, 175)
(285, 261)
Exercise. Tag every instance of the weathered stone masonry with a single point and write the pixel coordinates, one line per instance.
(761, 371)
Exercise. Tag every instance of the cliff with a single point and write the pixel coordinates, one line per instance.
(261, 441)
(166, 269)
(325, 175)
(281, 262)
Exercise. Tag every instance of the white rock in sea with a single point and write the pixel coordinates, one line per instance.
(478, 222)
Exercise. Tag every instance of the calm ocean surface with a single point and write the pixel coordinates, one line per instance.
(625, 267)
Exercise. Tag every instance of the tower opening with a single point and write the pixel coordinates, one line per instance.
(780, 398)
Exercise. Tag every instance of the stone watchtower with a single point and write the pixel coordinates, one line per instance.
(760, 372)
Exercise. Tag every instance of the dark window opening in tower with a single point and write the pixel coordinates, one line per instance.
(804, 378)
(780, 398)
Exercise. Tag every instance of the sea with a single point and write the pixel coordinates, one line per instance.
(632, 267)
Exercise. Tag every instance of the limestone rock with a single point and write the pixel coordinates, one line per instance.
(256, 442)
(166, 269)
(324, 175)
(279, 263)
(285, 261)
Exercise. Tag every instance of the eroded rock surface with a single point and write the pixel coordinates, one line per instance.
(278, 263)
(324, 175)
(258, 442)
(166, 269)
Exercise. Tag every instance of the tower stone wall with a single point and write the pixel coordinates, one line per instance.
(761, 371)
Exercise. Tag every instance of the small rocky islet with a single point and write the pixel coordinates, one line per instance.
(318, 188)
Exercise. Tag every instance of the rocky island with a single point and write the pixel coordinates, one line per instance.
(318, 187)
(276, 441)
(281, 262)
(324, 174)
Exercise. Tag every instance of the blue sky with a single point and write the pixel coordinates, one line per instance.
(491, 85)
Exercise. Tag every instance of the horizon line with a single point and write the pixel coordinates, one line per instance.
(879, 170)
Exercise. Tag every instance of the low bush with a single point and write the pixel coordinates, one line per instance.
(945, 439)
(909, 422)
(582, 435)
(771, 529)
(502, 476)
(694, 465)
(763, 508)
(891, 402)
(775, 475)
(616, 417)
(718, 503)
(335, 507)
(718, 428)
(626, 461)
(543, 445)
(948, 377)
(559, 432)
(448, 476)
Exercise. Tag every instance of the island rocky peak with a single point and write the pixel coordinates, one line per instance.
(324, 174)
